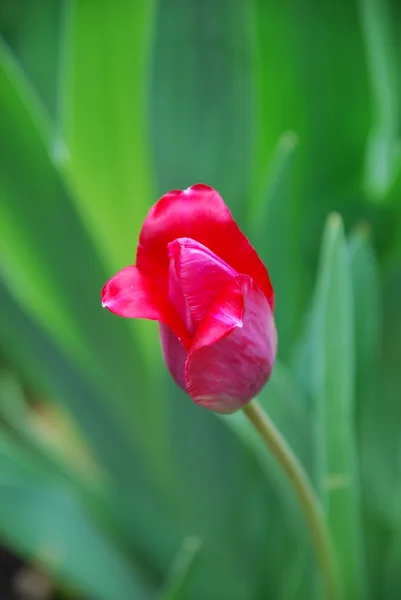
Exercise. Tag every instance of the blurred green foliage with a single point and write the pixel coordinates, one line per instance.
(110, 478)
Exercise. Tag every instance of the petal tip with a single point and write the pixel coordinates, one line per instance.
(199, 187)
(173, 248)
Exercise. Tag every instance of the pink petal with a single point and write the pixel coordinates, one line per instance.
(174, 355)
(234, 349)
(130, 293)
(198, 213)
(176, 296)
(200, 274)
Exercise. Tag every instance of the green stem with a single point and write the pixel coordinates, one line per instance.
(310, 505)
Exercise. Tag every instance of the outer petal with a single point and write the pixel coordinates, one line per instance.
(199, 273)
(130, 293)
(201, 214)
(174, 355)
(229, 363)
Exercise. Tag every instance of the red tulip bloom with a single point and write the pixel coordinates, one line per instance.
(197, 274)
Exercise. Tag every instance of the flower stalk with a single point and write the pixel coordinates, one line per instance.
(302, 487)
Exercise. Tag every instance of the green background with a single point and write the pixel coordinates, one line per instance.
(111, 479)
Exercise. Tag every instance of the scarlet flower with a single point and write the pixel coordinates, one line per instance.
(197, 274)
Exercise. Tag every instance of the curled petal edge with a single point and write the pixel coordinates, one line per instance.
(200, 213)
(131, 294)
(234, 349)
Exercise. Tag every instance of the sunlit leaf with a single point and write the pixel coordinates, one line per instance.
(104, 144)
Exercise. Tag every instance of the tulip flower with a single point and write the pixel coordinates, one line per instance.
(197, 274)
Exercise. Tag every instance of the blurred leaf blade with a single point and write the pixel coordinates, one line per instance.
(176, 587)
(380, 447)
(383, 157)
(393, 577)
(17, 248)
(47, 368)
(73, 316)
(47, 291)
(62, 451)
(46, 524)
(272, 222)
(211, 116)
(283, 400)
(32, 30)
(332, 371)
(108, 159)
(367, 312)
(274, 180)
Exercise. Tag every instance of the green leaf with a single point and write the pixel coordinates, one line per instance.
(295, 60)
(50, 439)
(367, 311)
(47, 369)
(383, 155)
(23, 126)
(60, 290)
(283, 400)
(31, 28)
(45, 523)
(272, 221)
(379, 434)
(275, 181)
(332, 374)
(202, 97)
(104, 145)
(176, 587)
(392, 583)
